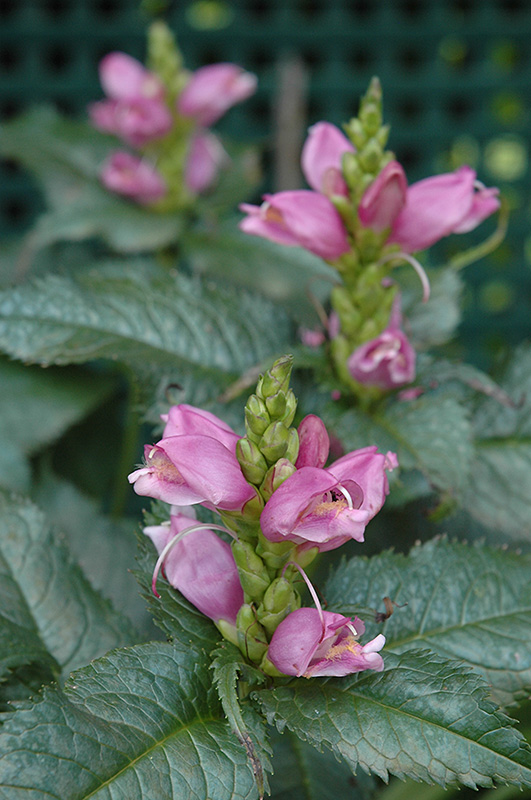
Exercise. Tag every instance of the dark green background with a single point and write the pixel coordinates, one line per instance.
(456, 77)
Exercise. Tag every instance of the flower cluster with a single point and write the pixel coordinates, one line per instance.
(164, 114)
(362, 217)
(281, 505)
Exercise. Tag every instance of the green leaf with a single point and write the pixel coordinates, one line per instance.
(29, 396)
(73, 623)
(465, 602)
(304, 773)
(227, 667)
(499, 491)
(435, 322)
(430, 434)
(153, 321)
(141, 723)
(67, 156)
(422, 717)
(284, 274)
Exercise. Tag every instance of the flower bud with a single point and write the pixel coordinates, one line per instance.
(277, 378)
(251, 461)
(252, 639)
(256, 417)
(274, 442)
(276, 404)
(371, 156)
(275, 476)
(254, 577)
(274, 554)
(371, 118)
(292, 449)
(279, 601)
(351, 169)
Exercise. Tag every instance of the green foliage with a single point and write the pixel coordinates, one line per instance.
(48, 605)
(470, 603)
(434, 322)
(159, 324)
(66, 156)
(36, 407)
(499, 490)
(143, 723)
(423, 717)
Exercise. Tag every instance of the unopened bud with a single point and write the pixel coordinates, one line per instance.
(256, 417)
(292, 450)
(274, 442)
(382, 136)
(371, 118)
(274, 554)
(251, 460)
(371, 156)
(254, 576)
(252, 639)
(164, 58)
(356, 133)
(276, 405)
(279, 601)
(275, 476)
(277, 378)
(291, 408)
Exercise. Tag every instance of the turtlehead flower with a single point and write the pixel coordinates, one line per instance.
(205, 158)
(311, 643)
(124, 78)
(384, 198)
(201, 567)
(314, 443)
(300, 218)
(133, 177)
(213, 89)
(321, 159)
(436, 207)
(325, 508)
(388, 360)
(195, 462)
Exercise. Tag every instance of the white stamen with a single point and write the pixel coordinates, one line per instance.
(312, 591)
(352, 629)
(346, 495)
(177, 538)
(479, 185)
(417, 266)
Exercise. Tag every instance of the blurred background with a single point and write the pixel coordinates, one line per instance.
(457, 89)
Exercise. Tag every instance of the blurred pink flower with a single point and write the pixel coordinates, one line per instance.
(321, 159)
(132, 177)
(205, 158)
(213, 89)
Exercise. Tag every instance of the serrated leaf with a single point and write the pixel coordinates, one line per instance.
(73, 622)
(471, 603)
(284, 274)
(29, 396)
(304, 773)
(227, 666)
(430, 434)
(141, 723)
(434, 322)
(67, 155)
(499, 490)
(423, 717)
(153, 321)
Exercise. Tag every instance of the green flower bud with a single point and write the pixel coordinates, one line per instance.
(252, 639)
(292, 450)
(256, 417)
(305, 557)
(274, 554)
(291, 408)
(227, 630)
(275, 476)
(277, 378)
(382, 136)
(279, 601)
(269, 668)
(254, 576)
(356, 133)
(373, 95)
(251, 460)
(371, 156)
(276, 405)
(274, 442)
(351, 170)
(165, 59)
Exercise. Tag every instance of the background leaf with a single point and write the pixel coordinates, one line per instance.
(435, 322)
(465, 602)
(142, 723)
(73, 622)
(36, 407)
(422, 717)
(155, 322)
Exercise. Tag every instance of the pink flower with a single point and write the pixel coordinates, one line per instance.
(438, 206)
(321, 159)
(137, 120)
(309, 645)
(195, 462)
(201, 566)
(124, 78)
(212, 90)
(132, 177)
(384, 198)
(325, 508)
(388, 360)
(302, 218)
(314, 443)
(312, 337)
(205, 157)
